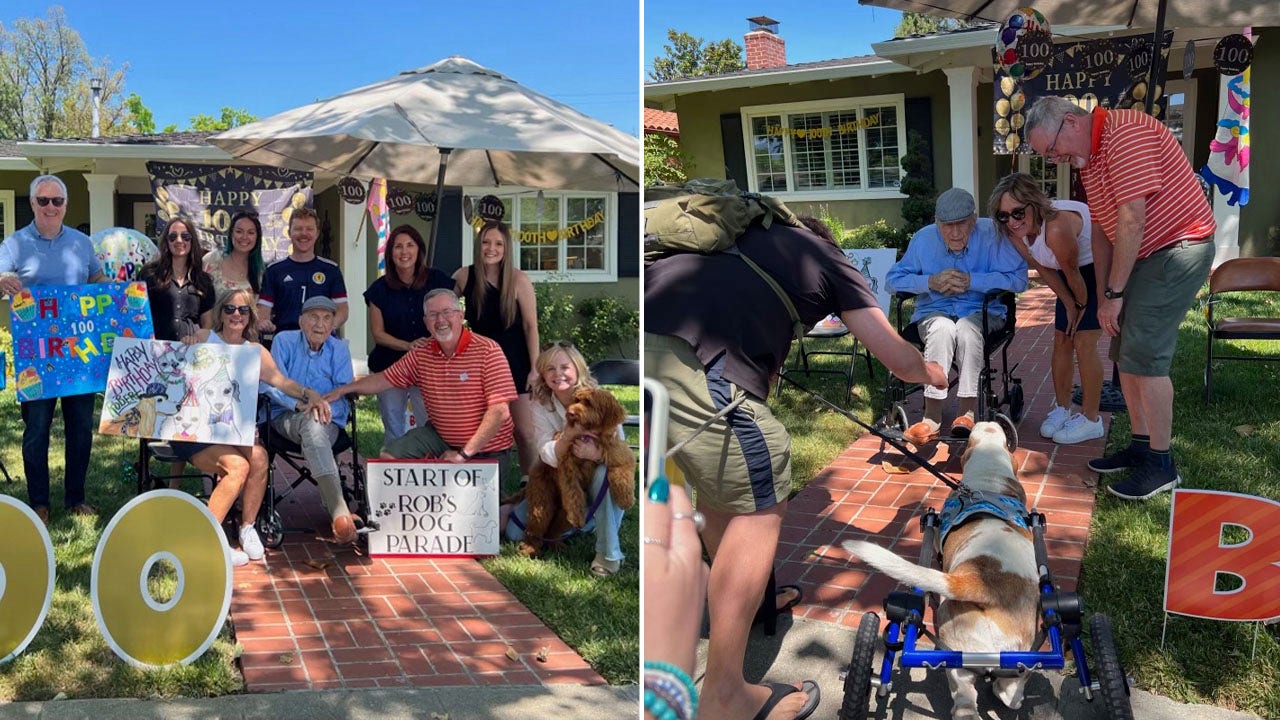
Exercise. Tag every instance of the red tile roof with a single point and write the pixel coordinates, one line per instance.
(661, 121)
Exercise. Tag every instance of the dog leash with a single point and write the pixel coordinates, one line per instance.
(572, 532)
(957, 486)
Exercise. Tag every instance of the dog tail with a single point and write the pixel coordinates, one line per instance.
(956, 585)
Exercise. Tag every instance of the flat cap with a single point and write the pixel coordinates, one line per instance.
(320, 302)
(954, 204)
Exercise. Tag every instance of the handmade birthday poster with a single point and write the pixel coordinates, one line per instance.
(165, 390)
(63, 335)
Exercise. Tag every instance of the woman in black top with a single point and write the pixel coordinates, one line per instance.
(180, 291)
(501, 306)
(396, 319)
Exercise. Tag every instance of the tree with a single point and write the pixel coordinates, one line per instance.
(229, 118)
(44, 81)
(913, 23)
(664, 160)
(686, 57)
(917, 184)
(140, 115)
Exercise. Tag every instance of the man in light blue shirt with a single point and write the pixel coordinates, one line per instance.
(314, 358)
(950, 265)
(46, 252)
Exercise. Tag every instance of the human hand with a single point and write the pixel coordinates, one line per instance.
(10, 284)
(319, 409)
(190, 339)
(418, 343)
(585, 447)
(937, 376)
(452, 456)
(959, 282)
(533, 375)
(675, 577)
(1074, 316)
(265, 325)
(940, 282)
(1109, 315)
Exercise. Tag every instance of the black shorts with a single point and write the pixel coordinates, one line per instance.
(1090, 319)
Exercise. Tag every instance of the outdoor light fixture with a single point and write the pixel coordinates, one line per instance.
(95, 84)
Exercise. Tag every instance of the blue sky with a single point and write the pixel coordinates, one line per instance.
(813, 30)
(195, 57)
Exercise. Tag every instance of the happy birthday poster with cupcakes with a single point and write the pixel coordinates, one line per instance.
(63, 335)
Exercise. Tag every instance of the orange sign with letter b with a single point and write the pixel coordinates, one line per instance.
(1199, 556)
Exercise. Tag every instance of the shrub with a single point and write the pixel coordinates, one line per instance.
(878, 234)
(602, 327)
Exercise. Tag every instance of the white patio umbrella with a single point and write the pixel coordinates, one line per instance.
(484, 127)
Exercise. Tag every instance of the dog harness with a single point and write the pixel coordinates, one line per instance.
(962, 507)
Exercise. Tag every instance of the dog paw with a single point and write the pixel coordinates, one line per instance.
(527, 550)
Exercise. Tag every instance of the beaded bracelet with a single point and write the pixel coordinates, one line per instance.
(658, 669)
(659, 708)
(668, 688)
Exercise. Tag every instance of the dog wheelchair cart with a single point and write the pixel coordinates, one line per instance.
(990, 403)
(1061, 615)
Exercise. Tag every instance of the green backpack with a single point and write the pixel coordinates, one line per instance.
(708, 216)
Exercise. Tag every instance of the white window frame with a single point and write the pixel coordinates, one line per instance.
(1064, 175)
(848, 103)
(610, 271)
(7, 200)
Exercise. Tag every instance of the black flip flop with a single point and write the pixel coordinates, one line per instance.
(799, 596)
(777, 691)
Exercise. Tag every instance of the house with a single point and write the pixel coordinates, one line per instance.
(661, 122)
(828, 135)
(109, 186)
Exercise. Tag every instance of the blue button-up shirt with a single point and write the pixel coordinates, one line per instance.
(992, 264)
(67, 259)
(323, 369)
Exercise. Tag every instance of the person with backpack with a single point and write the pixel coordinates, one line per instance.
(718, 326)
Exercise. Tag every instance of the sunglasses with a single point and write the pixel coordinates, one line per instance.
(185, 237)
(44, 201)
(560, 344)
(1018, 214)
(233, 309)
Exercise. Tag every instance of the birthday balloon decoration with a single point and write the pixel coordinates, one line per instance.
(1024, 44)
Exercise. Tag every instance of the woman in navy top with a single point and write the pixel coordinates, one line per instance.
(395, 317)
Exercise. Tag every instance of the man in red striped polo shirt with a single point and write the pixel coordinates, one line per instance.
(466, 387)
(1141, 190)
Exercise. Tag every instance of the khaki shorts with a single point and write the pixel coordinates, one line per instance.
(1157, 297)
(741, 463)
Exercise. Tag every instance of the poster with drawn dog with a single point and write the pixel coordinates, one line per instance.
(169, 391)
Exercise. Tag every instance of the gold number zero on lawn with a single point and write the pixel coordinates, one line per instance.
(161, 525)
(26, 576)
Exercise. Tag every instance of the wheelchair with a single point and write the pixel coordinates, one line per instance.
(1004, 406)
(352, 479)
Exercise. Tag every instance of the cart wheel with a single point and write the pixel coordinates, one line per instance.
(1017, 404)
(898, 417)
(1108, 671)
(270, 529)
(1010, 430)
(857, 682)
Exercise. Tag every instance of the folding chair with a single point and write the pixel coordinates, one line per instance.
(1240, 275)
(279, 446)
(828, 332)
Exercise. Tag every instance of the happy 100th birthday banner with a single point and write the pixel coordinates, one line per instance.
(63, 335)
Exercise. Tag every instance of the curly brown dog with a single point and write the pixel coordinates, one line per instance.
(558, 496)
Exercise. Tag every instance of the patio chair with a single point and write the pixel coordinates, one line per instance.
(1240, 275)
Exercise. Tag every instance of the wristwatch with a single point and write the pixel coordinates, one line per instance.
(1112, 294)
(464, 454)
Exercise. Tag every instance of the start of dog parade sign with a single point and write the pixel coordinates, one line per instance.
(433, 509)
(143, 630)
(63, 335)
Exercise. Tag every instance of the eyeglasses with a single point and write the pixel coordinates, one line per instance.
(433, 316)
(233, 309)
(1052, 150)
(185, 237)
(1002, 217)
(44, 201)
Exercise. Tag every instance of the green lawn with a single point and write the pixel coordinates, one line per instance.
(1202, 661)
(598, 617)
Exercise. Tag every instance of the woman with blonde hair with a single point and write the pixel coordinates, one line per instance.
(500, 304)
(560, 373)
(1056, 239)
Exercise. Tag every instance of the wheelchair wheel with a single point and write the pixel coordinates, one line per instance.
(270, 529)
(1108, 671)
(1017, 403)
(1010, 430)
(857, 682)
(896, 418)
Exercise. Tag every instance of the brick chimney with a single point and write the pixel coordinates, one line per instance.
(764, 48)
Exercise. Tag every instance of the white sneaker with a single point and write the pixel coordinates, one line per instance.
(251, 543)
(1079, 429)
(238, 558)
(1058, 417)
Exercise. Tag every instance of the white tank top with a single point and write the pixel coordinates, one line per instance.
(1084, 242)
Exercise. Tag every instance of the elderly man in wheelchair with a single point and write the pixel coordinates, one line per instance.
(313, 357)
(952, 267)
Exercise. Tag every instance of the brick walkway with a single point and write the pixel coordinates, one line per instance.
(856, 498)
(318, 616)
